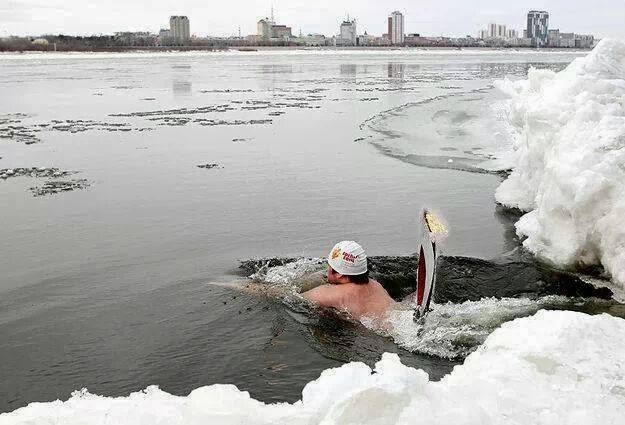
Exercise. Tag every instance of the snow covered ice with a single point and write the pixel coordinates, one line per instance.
(556, 367)
(569, 154)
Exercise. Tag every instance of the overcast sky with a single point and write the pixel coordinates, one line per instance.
(603, 18)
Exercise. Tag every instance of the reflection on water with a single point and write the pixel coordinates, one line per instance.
(182, 79)
(396, 70)
(182, 87)
(349, 69)
(275, 69)
(352, 69)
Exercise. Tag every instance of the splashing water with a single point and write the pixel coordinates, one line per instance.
(455, 330)
(289, 273)
(449, 331)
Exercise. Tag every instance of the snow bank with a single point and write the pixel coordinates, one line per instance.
(552, 368)
(569, 139)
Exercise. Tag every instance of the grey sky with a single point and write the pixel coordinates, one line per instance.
(604, 18)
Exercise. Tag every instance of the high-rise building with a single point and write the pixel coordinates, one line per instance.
(179, 28)
(348, 32)
(502, 31)
(497, 31)
(396, 28)
(264, 29)
(492, 30)
(538, 27)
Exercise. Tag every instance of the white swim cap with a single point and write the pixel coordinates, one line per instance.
(348, 258)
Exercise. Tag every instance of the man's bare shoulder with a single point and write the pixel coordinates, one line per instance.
(324, 295)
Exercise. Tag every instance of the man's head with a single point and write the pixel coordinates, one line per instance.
(347, 263)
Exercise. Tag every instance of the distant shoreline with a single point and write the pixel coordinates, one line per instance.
(184, 49)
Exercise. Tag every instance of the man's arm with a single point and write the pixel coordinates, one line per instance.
(322, 296)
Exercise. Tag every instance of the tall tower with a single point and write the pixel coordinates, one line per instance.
(538, 27)
(348, 33)
(396, 28)
(179, 28)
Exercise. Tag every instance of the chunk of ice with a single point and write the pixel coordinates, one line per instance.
(569, 149)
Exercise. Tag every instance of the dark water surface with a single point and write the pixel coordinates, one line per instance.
(109, 287)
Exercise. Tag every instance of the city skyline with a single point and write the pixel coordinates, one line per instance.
(449, 17)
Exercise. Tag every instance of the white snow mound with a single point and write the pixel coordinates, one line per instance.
(556, 367)
(569, 160)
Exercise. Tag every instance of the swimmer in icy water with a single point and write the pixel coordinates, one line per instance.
(350, 289)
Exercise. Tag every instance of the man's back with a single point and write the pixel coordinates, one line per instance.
(357, 300)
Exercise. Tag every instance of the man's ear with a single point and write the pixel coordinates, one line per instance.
(342, 278)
